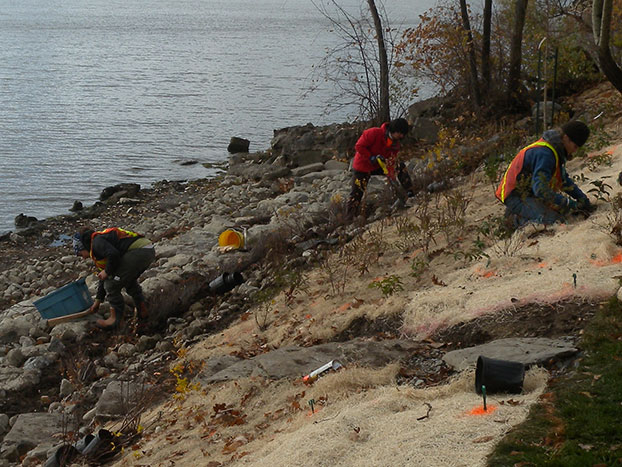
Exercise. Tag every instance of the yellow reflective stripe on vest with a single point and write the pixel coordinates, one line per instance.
(101, 263)
(533, 145)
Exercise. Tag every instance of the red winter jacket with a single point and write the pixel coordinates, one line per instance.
(374, 142)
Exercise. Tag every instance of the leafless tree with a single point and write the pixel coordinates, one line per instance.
(359, 67)
(473, 79)
(486, 44)
(601, 27)
(520, 10)
(384, 113)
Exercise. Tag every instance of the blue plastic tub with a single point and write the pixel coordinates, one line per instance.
(69, 299)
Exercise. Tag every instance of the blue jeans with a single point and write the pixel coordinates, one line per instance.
(529, 209)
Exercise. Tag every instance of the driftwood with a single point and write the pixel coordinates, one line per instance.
(423, 417)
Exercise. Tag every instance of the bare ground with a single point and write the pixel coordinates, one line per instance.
(521, 290)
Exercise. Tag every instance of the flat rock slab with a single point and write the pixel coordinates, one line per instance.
(35, 429)
(526, 350)
(121, 396)
(295, 362)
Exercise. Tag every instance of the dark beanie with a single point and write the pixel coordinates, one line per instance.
(85, 238)
(399, 125)
(577, 131)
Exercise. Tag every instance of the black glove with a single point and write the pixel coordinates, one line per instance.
(584, 208)
(377, 160)
(588, 210)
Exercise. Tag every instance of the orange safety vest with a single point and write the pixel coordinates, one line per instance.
(508, 182)
(121, 233)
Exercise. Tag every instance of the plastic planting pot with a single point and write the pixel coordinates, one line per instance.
(499, 375)
(225, 282)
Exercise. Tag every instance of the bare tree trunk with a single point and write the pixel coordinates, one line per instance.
(474, 82)
(383, 107)
(520, 10)
(601, 26)
(486, 46)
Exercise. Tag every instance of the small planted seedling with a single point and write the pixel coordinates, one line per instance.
(388, 285)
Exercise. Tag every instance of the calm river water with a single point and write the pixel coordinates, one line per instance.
(99, 92)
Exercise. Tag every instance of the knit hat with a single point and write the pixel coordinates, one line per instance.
(78, 246)
(577, 131)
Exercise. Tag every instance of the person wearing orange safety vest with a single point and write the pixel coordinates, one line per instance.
(121, 256)
(536, 187)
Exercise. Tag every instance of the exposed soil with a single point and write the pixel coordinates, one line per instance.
(385, 326)
(426, 366)
(565, 318)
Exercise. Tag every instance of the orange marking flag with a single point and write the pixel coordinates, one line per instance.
(479, 410)
(615, 260)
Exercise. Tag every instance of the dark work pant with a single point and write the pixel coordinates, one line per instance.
(360, 181)
(133, 264)
(530, 209)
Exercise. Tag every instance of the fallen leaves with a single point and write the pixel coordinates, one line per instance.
(511, 402)
(227, 416)
(234, 443)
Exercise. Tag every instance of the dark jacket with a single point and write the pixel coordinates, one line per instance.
(112, 248)
(539, 166)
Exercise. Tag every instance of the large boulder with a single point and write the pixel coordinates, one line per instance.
(34, 429)
(308, 144)
(425, 129)
(23, 222)
(12, 327)
(526, 350)
(238, 145)
(122, 190)
(120, 397)
(171, 293)
(295, 362)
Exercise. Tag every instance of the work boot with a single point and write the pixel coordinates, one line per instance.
(112, 322)
(142, 311)
(142, 314)
(510, 224)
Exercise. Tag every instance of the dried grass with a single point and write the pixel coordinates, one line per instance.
(384, 426)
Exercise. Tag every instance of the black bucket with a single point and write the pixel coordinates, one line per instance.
(499, 376)
(225, 282)
(100, 442)
(64, 455)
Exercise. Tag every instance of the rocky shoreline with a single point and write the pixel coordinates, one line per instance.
(287, 199)
(71, 378)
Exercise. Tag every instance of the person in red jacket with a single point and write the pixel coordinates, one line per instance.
(376, 147)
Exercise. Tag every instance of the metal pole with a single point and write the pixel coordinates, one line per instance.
(537, 127)
(554, 86)
(546, 82)
(538, 87)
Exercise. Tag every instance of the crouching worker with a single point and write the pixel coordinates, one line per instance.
(376, 149)
(122, 256)
(536, 187)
